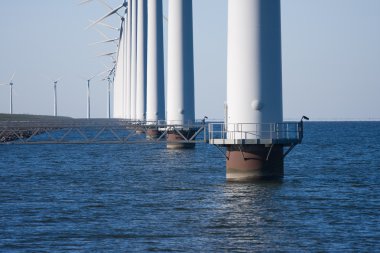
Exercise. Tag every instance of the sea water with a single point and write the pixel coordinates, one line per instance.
(145, 198)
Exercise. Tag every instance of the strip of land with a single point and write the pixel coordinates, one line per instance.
(8, 136)
(25, 117)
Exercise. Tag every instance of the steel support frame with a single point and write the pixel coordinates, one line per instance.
(131, 134)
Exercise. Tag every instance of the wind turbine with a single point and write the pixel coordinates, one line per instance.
(125, 5)
(10, 93)
(113, 11)
(110, 72)
(89, 95)
(55, 82)
(109, 79)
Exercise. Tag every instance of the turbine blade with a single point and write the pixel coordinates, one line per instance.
(48, 78)
(105, 4)
(109, 26)
(104, 41)
(94, 76)
(104, 24)
(102, 34)
(84, 2)
(104, 72)
(58, 79)
(82, 77)
(107, 54)
(106, 16)
(13, 76)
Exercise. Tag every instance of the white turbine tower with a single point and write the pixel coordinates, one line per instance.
(55, 82)
(10, 93)
(180, 87)
(254, 87)
(89, 94)
(141, 60)
(128, 31)
(155, 60)
(133, 66)
(109, 79)
(119, 87)
(109, 83)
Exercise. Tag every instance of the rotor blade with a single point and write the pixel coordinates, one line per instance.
(107, 54)
(109, 26)
(4, 83)
(82, 77)
(107, 67)
(104, 24)
(94, 76)
(102, 34)
(106, 16)
(13, 76)
(58, 79)
(104, 41)
(105, 4)
(48, 78)
(85, 1)
(103, 74)
(107, 71)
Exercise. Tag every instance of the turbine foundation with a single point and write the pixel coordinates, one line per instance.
(176, 141)
(254, 162)
(153, 133)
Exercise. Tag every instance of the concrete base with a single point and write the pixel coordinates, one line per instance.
(152, 134)
(249, 162)
(172, 137)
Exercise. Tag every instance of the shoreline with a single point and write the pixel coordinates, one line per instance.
(25, 133)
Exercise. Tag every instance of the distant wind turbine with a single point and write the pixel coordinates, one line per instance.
(109, 78)
(55, 82)
(10, 93)
(89, 95)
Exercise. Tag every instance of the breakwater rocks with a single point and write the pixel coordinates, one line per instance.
(13, 136)
(14, 127)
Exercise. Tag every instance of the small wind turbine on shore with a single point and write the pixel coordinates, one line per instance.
(10, 93)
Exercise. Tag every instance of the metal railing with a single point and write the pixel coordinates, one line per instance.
(83, 131)
(288, 132)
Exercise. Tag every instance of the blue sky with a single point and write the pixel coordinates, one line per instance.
(331, 57)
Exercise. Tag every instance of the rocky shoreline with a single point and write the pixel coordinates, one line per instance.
(9, 137)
